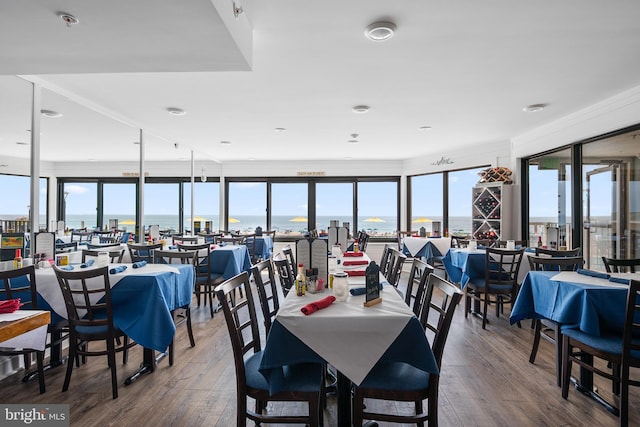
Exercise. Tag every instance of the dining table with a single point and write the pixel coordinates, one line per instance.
(576, 299)
(264, 246)
(24, 329)
(230, 260)
(348, 335)
(425, 247)
(143, 301)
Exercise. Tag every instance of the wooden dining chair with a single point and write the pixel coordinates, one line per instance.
(143, 251)
(385, 259)
(251, 241)
(517, 243)
(90, 314)
(416, 285)
(558, 253)
(400, 381)
(613, 265)
(394, 270)
(500, 281)
(301, 382)
(620, 349)
(459, 242)
(182, 314)
(21, 283)
(287, 251)
(267, 287)
(206, 278)
(545, 328)
(184, 240)
(285, 275)
(115, 254)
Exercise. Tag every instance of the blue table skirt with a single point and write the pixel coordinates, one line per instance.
(591, 308)
(283, 348)
(264, 246)
(428, 251)
(229, 261)
(462, 266)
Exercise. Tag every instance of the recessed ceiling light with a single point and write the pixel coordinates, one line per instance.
(352, 141)
(380, 31)
(136, 142)
(22, 143)
(176, 111)
(280, 130)
(68, 18)
(534, 107)
(424, 128)
(3, 166)
(50, 113)
(360, 109)
(225, 142)
(91, 160)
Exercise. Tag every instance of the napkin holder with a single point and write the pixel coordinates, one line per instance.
(372, 285)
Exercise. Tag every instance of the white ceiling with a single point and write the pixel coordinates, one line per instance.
(465, 68)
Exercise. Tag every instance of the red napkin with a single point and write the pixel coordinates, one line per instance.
(353, 253)
(312, 307)
(351, 273)
(358, 262)
(10, 305)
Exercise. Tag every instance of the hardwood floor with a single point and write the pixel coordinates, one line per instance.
(486, 381)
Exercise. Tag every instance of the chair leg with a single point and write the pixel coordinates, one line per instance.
(72, 356)
(536, 341)
(209, 290)
(484, 311)
(171, 353)
(125, 351)
(111, 355)
(557, 333)
(40, 364)
(192, 340)
(467, 302)
(358, 408)
(624, 402)
(566, 367)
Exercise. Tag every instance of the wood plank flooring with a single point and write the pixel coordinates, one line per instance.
(486, 381)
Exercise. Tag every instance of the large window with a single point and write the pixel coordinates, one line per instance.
(460, 194)
(427, 201)
(334, 201)
(289, 208)
(378, 208)
(206, 205)
(16, 201)
(119, 203)
(80, 205)
(247, 206)
(550, 200)
(161, 205)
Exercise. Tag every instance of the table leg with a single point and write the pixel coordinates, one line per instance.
(585, 386)
(148, 365)
(344, 400)
(55, 357)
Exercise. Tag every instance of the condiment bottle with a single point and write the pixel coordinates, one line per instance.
(301, 281)
(539, 241)
(17, 261)
(356, 246)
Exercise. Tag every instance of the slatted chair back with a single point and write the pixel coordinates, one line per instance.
(385, 259)
(264, 278)
(250, 241)
(287, 251)
(416, 285)
(396, 261)
(285, 274)
(517, 243)
(143, 252)
(115, 254)
(184, 240)
(459, 242)
(537, 263)
(557, 253)
(613, 265)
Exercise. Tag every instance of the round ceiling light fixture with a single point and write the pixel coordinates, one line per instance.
(225, 142)
(176, 111)
(425, 128)
(534, 108)
(68, 18)
(50, 113)
(280, 130)
(360, 109)
(380, 31)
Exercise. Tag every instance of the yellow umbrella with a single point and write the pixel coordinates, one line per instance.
(198, 218)
(374, 219)
(232, 220)
(422, 219)
(127, 222)
(298, 219)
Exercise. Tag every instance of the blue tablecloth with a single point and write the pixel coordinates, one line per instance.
(264, 246)
(591, 308)
(283, 348)
(142, 304)
(463, 265)
(428, 251)
(229, 261)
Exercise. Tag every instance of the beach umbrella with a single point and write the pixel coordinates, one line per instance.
(198, 218)
(127, 222)
(374, 219)
(298, 219)
(232, 220)
(422, 219)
